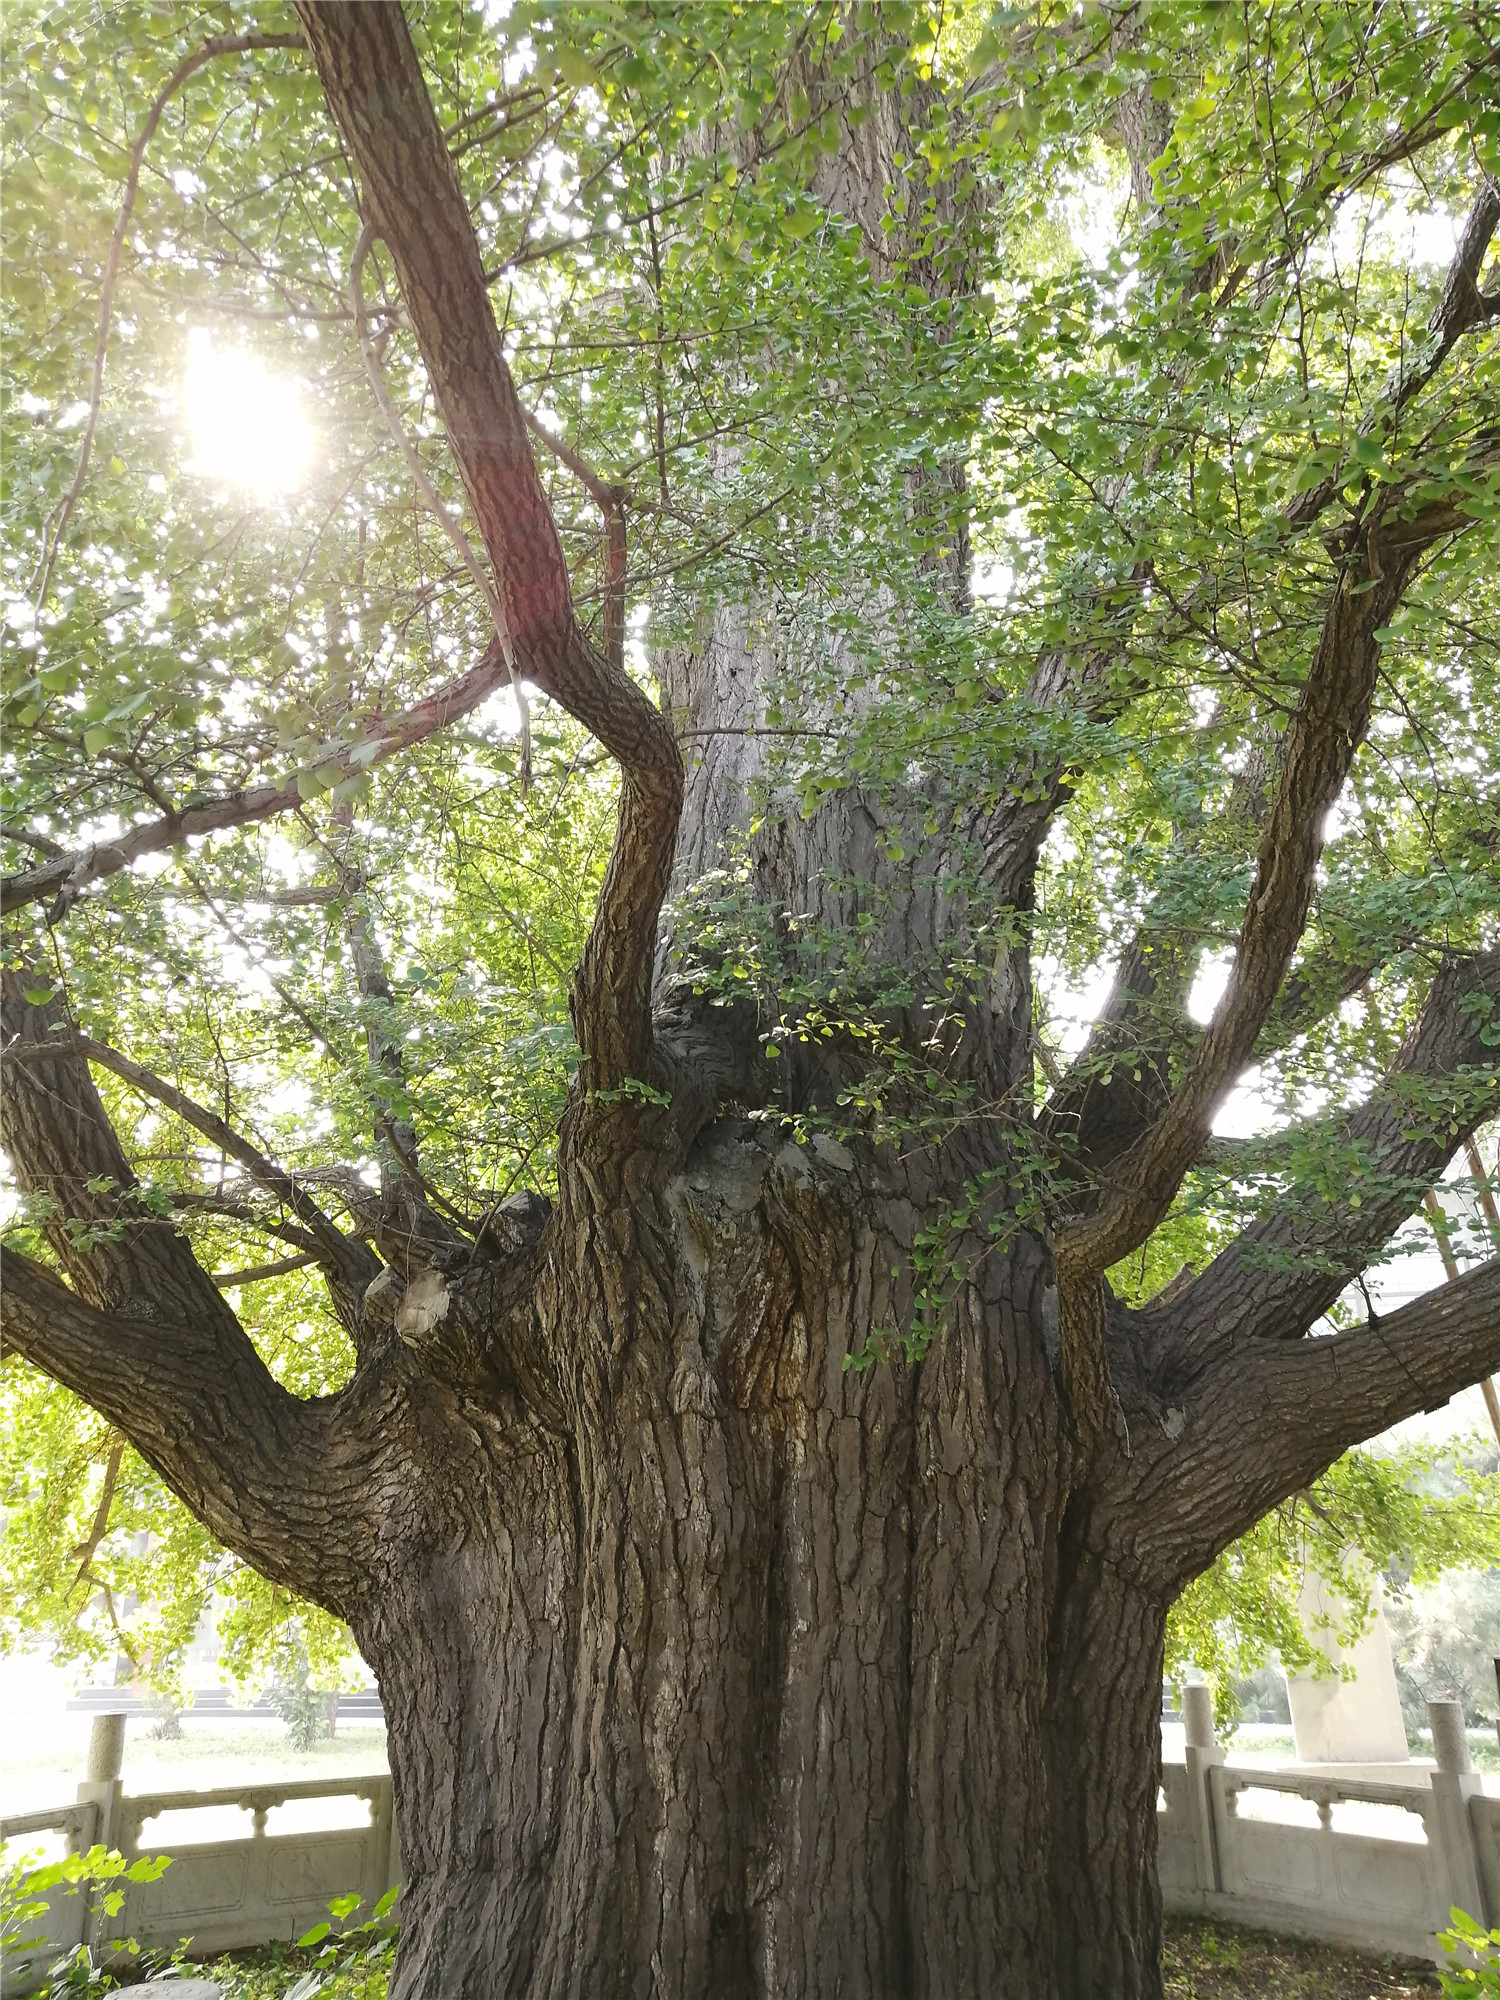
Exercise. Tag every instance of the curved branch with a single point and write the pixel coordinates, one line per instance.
(216, 45)
(379, 102)
(274, 1478)
(116, 1252)
(1108, 1103)
(99, 1526)
(462, 546)
(1281, 1274)
(1325, 731)
(1461, 306)
(334, 1248)
(70, 873)
(1262, 1422)
(1354, 1385)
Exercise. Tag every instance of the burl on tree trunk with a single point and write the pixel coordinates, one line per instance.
(713, 1665)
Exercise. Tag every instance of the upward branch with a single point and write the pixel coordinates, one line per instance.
(1276, 1278)
(1378, 558)
(1107, 1103)
(1326, 729)
(145, 1335)
(412, 199)
(267, 1473)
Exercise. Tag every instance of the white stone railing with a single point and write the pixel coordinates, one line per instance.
(247, 1883)
(1373, 1865)
(67, 1915)
(254, 1885)
(1381, 1874)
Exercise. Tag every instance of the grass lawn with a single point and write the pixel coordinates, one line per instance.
(43, 1768)
(1280, 1746)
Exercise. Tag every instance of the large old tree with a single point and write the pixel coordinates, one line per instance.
(751, 1434)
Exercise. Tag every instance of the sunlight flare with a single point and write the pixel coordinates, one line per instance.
(245, 425)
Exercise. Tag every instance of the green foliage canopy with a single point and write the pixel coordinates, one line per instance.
(1134, 371)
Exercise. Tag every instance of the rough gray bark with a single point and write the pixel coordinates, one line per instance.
(712, 1665)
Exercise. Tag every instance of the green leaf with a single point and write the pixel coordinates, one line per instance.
(800, 222)
(575, 69)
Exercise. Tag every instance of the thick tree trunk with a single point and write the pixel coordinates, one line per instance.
(715, 1666)
(774, 1678)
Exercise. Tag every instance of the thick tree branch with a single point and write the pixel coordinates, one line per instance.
(277, 1480)
(412, 198)
(1318, 749)
(1281, 1274)
(462, 546)
(1260, 1422)
(66, 1153)
(1117, 1088)
(145, 1336)
(1339, 1391)
(1326, 729)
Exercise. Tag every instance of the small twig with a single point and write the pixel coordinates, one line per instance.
(334, 1248)
(601, 489)
(219, 1203)
(88, 1547)
(387, 1130)
(463, 547)
(257, 1272)
(1439, 1221)
(1484, 1190)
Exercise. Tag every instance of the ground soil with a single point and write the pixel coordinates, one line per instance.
(1218, 1962)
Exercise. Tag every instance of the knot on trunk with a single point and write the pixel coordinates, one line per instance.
(513, 1225)
(423, 1309)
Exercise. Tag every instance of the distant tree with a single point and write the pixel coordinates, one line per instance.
(1445, 1637)
(1414, 1514)
(557, 888)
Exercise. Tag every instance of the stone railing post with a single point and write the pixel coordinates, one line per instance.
(1203, 1752)
(102, 1785)
(103, 1788)
(1453, 1785)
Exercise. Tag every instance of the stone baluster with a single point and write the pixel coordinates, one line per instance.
(102, 1785)
(1203, 1753)
(1453, 1785)
(103, 1788)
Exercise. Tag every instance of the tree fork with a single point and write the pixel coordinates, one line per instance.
(712, 1663)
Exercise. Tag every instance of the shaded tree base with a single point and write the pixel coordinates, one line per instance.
(1201, 1962)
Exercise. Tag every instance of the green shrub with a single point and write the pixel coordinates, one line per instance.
(26, 1889)
(1471, 1941)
